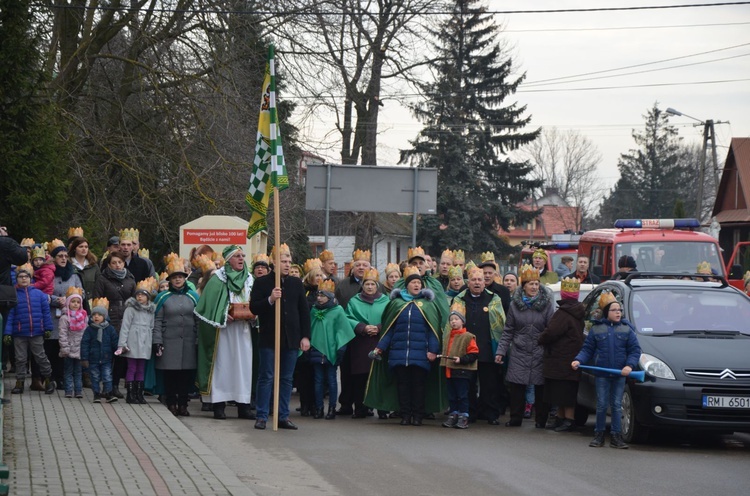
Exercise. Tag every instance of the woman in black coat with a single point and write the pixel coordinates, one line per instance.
(562, 340)
(116, 284)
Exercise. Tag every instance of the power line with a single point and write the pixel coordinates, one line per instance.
(672, 59)
(623, 28)
(689, 83)
(303, 11)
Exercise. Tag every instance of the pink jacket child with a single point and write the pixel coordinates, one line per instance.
(72, 325)
(44, 276)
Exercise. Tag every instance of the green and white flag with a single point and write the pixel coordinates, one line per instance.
(269, 170)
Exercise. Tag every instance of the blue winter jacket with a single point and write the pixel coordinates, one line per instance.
(611, 345)
(31, 316)
(95, 352)
(410, 339)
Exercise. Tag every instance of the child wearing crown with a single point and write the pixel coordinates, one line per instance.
(330, 332)
(72, 324)
(613, 344)
(44, 270)
(460, 354)
(97, 351)
(135, 338)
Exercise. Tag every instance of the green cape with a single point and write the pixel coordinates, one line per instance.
(437, 288)
(497, 316)
(359, 311)
(212, 310)
(330, 331)
(381, 391)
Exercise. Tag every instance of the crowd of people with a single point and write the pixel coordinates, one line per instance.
(428, 336)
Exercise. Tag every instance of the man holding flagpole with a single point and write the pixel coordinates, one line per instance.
(270, 293)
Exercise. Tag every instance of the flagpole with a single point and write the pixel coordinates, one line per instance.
(277, 327)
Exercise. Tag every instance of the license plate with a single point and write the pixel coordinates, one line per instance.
(732, 402)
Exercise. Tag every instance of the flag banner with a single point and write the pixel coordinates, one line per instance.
(269, 169)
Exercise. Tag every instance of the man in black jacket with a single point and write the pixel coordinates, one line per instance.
(295, 335)
(11, 253)
(128, 249)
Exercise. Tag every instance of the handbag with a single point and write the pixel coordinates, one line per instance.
(240, 311)
(8, 297)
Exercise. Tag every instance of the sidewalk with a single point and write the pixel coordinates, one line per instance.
(58, 446)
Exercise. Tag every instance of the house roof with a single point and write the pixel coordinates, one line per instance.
(554, 219)
(733, 194)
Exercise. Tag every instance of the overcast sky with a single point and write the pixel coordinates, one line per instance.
(558, 45)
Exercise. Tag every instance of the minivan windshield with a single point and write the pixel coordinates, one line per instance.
(681, 257)
(666, 310)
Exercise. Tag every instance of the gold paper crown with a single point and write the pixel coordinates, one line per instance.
(570, 285)
(539, 253)
(393, 267)
(459, 307)
(470, 265)
(204, 264)
(38, 252)
(371, 275)
(143, 253)
(447, 254)
(361, 255)
(149, 284)
(327, 285)
(459, 256)
(100, 302)
(75, 232)
(487, 256)
(455, 271)
(312, 263)
(74, 290)
(326, 256)
(410, 271)
(261, 257)
(746, 277)
(704, 268)
(283, 250)
(26, 267)
(529, 273)
(417, 251)
(169, 257)
(606, 298)
(129, 235)
(473, 270)
(27, 242)
(54, 244)
(176, 266)
(163, 276)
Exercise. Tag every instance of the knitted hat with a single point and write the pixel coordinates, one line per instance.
(74, 296)
(459, 310)
(411, 273)
(114, 240)
(626, 261)
(57, 250)
(101, 311)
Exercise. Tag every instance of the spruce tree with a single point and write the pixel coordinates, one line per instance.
(653, 177)
(469, 130)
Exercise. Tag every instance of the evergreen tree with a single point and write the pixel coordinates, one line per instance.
(35, 185)
(653, 177)
(467, 136)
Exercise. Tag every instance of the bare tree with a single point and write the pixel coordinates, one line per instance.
(567, 161)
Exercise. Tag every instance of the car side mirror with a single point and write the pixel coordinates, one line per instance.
(735, 272)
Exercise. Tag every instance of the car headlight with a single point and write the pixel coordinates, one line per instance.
(655, 367)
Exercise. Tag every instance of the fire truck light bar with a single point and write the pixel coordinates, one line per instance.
(656, 223)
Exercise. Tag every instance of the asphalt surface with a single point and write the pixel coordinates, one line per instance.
(371, 456)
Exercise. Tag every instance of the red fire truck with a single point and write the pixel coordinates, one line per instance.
(560, 245)
(657, 245)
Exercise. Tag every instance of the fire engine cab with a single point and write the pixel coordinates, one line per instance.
(559, 246)
(657, 245)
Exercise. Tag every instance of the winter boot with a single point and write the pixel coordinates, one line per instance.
(116, 391)
(616, 441)
(86, 380)
(452, 420)
(219, 413)
(244, 411)
(19, 387)
(331, 415)
(110, 397)
(598, 440)
(139, 387)
(566, 425)
(36, 384)
(49, 386)
(463, 422)
(319, 414)
(130, 398)
(182, 410)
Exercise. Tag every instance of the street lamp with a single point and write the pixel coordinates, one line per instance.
(708, 130)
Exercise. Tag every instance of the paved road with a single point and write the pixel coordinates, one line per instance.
(372, 456)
